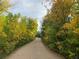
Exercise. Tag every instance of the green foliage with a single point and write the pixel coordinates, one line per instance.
(15, 31)
(49, 32)
(38, 34)
(59, 34)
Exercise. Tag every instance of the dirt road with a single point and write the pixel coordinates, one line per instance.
(34, 50)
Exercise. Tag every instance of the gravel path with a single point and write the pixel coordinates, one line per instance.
(34, 50)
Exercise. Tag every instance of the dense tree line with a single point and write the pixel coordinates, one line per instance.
(60, 28)
(15, 29)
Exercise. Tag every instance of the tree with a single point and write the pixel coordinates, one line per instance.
(32, 27)
(4, 5)
(58, 33)
(59, 12)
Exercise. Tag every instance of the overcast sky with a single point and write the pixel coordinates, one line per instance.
(30, 8)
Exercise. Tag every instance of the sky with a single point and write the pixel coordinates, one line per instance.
(30, 8)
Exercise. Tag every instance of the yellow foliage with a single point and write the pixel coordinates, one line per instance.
(1, 24)
(68, 26)
(4, 5)
(3, 34)
(72, 25)
(68, 2)
(76, 30)
(74, 22)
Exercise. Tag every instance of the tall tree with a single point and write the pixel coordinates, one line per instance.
(59, 12)
(4, 5)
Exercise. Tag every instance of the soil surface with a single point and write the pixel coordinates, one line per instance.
(34, 50)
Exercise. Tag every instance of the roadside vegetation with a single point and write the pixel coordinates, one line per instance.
(60, 29)
(15, 30)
